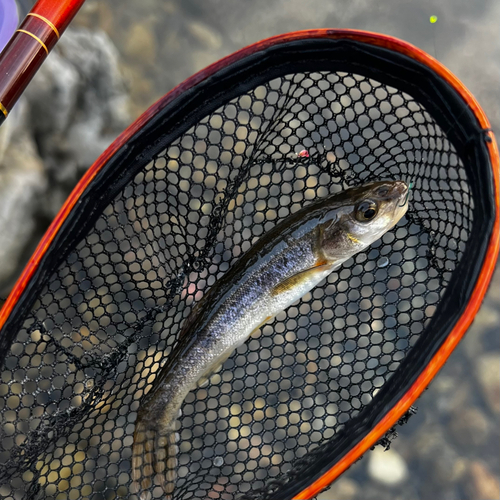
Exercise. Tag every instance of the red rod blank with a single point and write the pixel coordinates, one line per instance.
(30, 45)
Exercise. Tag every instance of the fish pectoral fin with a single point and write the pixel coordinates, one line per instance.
(299, 278)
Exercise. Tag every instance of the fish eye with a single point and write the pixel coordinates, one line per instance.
(366, 211)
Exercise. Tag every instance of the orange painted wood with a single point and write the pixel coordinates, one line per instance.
(486, 273)
(30, 45)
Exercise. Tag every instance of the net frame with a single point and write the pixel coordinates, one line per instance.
(301, 51)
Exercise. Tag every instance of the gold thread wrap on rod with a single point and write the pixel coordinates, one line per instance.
(3, 109)
(36, 38)
(47, 22)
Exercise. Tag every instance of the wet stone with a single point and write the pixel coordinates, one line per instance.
(447, 467)
(141, 44)
(481, 483)
(449, 396)
(387, 467)
(488, 376)
(205, 35)
(469, 427)
(486, 321)
(427, 441)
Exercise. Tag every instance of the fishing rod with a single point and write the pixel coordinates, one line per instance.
(30, 45)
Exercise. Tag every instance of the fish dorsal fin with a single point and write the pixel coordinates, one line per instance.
(300, 278)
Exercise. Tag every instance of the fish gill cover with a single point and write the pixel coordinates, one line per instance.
(171, 213)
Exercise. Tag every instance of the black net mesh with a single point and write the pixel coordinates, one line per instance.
(109, 315)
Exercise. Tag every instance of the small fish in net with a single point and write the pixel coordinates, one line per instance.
(285, 264)
(172, 206)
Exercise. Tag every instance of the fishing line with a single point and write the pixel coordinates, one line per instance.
(410, 186)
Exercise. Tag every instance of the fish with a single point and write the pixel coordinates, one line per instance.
(280, 268)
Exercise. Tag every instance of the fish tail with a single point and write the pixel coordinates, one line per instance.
(154, 460)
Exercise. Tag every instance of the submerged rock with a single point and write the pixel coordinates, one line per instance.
(469, 427)
(488, 375)
(481, 483)
(387, 467)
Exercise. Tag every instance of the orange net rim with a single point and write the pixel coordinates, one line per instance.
(486, 273)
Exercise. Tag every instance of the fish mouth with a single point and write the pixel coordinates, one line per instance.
(401, 195)
(400, 191)
(392, 191)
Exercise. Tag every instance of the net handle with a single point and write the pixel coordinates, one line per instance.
(30, 45)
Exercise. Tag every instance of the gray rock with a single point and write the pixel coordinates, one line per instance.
(449, 396)
(22, 182)
(486, 320)
(78, 104)
(71, 111)
(435, 455)
(426, 441)
(5, 134)
(447, 467)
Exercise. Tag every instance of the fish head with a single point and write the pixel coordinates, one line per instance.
(361, 216)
